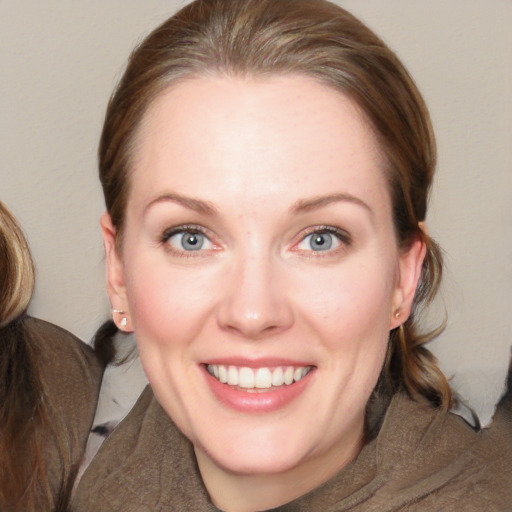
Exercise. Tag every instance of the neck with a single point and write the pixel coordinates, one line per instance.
(233, 492)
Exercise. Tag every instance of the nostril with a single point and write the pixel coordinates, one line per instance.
(257, 330)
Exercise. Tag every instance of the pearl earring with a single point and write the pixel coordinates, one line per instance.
(124, 320)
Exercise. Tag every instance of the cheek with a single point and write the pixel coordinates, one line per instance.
(350, 314)
(168, 304)
(349, 302)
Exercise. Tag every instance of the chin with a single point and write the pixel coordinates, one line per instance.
(255, 462)
(256, 449)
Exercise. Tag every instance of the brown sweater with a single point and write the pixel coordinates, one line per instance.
(422, 460)
(71, 378)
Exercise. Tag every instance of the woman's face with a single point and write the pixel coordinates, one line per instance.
(260, 269)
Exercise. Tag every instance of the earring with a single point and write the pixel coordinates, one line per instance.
(397, 314)
(124, 320)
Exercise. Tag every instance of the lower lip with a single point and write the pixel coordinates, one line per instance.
(258, 401)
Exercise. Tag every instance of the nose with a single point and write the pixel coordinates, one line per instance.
(254, 302)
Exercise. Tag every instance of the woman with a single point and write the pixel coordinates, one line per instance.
(49, 382)
(266, 168)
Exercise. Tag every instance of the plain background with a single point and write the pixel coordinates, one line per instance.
(60, 59)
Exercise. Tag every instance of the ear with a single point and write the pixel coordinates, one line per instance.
(409, 272)
(115, 276)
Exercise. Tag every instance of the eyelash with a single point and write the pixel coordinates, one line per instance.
(342, 236)
(184, 229)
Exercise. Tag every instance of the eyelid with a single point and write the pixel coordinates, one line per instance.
(191, 228)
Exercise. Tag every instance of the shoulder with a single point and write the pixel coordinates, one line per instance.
(69, 366)
(56, 337)
(143, 451)
(434, 459)
(70, 376)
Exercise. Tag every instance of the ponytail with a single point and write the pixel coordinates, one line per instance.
(410, 364)
(104, 343)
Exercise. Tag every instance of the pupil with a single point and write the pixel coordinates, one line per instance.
(192, 240)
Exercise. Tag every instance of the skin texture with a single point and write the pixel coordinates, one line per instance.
(270, 161)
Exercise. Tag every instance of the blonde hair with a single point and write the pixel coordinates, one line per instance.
(16, 269)
(321, 40)
(25, 423)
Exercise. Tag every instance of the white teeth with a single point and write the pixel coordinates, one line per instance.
(246, 378)
(260, 378)
(232, 376)
(278, 377)
(288, 375)
(223, 374)
(263, 378)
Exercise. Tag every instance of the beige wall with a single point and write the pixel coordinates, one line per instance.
(59, 62)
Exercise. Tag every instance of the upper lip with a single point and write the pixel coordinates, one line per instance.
(264, 362)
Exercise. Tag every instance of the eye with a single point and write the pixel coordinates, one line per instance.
(323, 239)
(187, 239)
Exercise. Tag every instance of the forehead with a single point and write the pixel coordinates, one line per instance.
(255, 137)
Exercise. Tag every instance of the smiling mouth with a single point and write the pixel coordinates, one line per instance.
(256, 379)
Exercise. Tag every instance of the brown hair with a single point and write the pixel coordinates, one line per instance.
(24, 416)
(321, 40)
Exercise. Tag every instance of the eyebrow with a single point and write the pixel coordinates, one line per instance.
(306, 205)
(300, 206)
(190, 203)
